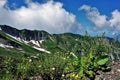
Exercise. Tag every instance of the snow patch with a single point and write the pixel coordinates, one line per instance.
(21, 40)
(35, 43)
(41, 41)
(5, 46)
(76, 39)
(25, 41)
(2, 45)
(41, 49)
(17, 38)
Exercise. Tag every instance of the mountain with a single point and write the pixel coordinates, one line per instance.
(14, 42)
(24, 34)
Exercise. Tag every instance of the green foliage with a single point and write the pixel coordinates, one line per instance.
(94, 58)
(102, 61)
(49, 66)
(81, 59)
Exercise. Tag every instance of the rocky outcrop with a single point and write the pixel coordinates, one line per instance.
(25, 34)
(114, 74)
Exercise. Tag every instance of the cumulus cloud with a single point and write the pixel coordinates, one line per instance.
(49, 16)
(85, 7)
(115, 20)
(103, 23)
(94, 16)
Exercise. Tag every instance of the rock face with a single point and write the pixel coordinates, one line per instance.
(24, 34)
(115, 72)
(35, 78)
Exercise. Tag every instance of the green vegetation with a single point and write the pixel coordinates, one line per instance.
(94, 58)
(19, 49)
(82, 59)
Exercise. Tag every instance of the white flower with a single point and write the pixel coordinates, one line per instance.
(34, 56)
(53, 68)
(7, 71)
(37, 55)
(39, 66)
(64, 58)
(63, 75)
(30, 60)
(67, 56)
(73, 54)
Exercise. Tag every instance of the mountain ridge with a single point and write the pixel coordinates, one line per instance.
(36, 33)
(33, 41)
(24, 34)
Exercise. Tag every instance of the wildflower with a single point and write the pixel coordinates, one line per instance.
(63, 75)
(7, 71)
(53, 68)
(37, 54)
(30, 60)
(39, 66)
(73, 75)
(67, 57)
(73, 54)
(76, 77)
(64, 58)
(34, 56)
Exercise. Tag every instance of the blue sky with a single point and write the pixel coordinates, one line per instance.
(104, 6)
(59, 16)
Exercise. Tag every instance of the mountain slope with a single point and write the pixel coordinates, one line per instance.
(35, 41)
(12, 47)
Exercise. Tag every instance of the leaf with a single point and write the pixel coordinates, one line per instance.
(102, 61)
(75, 61)
(91, 55)
(80, 72)
(91, 73)
(95, 64)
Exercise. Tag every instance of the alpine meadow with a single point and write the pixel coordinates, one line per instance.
(59, 40)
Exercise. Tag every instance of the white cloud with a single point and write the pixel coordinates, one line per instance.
(100, 21)
(49, 16)
(85, 7)
(115, 20)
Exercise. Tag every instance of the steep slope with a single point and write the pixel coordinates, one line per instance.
(24, 34)
(12, 47)
(35, 41)
(31, 38)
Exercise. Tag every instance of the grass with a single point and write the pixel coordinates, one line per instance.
(58, 65)
(72, 57)
(10, 53)
(25, 47)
